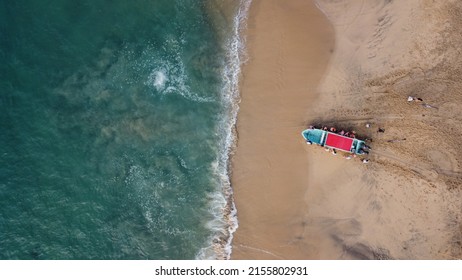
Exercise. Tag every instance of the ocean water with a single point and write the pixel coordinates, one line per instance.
(117, 122)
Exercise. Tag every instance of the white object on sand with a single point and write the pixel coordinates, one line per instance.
(429, 106)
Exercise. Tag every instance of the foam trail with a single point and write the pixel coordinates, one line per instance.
(223, 205)
(169, 77)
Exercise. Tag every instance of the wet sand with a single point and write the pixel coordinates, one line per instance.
(296, 201)
(289, 44)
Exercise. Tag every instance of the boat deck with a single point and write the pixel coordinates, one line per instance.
(340, 142)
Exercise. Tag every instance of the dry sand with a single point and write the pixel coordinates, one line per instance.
(296, 201)
(289, 44)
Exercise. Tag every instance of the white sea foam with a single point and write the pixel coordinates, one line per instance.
(222, 203)
(169, 76)
(160, 79)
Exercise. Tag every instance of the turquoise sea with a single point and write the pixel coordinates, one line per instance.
(116, 125)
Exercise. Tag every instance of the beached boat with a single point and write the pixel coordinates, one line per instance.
(334, 141)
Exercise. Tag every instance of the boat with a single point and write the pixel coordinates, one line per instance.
(336, 141)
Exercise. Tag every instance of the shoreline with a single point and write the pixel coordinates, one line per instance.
(228, 18)
(294, 40)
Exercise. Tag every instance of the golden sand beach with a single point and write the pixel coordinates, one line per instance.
(354, 63)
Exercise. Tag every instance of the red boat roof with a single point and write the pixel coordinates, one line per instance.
(339, 142)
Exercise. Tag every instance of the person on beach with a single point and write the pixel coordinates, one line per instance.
(334, 152)
(412, 98)
(333, 129)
